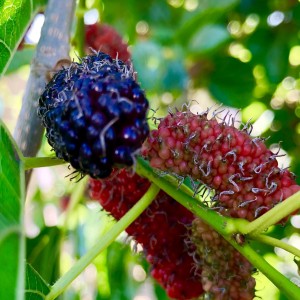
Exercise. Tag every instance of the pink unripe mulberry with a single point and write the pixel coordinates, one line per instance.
(241, 170)
(225, 274)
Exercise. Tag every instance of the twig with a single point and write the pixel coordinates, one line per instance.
(53, 46)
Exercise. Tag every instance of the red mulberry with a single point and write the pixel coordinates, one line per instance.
(162, 230)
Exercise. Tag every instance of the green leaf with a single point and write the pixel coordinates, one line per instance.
(271, 50)
(151, 60)
(15, 18)
(208, 11)
(12, 250)
(43, 253)
(36, 287)
(232, 82)
(20, 59)
(208, 39)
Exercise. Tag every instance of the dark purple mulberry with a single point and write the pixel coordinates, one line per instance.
(93, 116)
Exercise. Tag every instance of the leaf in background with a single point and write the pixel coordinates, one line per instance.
(271, 50)
(20, 59)
(15, 18)
(207, 11)
(159, 69)
(232, 82)
(119, 261)
(12, 248)
(207, 39)
(36, 288)
(43, 253)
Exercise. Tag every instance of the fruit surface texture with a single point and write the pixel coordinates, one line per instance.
(94, 113)
(240, 169)
(225, 274)
(162, 230)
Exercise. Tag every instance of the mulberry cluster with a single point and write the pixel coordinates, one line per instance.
(104, 38)
(240, 169)
(95, 115)
(162, 230)
(225, 274)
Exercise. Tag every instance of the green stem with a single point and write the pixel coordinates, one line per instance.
(276, 243)
(283, 284)
(223, 225)
(79, 36)
(103, 243)
(40, 162)
(273, 216)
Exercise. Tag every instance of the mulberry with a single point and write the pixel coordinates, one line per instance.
(95, 115)
(240, 169)
(162, 230)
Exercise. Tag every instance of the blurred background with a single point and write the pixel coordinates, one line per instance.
(244, 54)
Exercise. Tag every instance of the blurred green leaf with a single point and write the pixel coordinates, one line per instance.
(160, 292)
(119, 261)
(207, 11)
(20, 59)
(43, 253)
(12, 250)
(36, 287)
(232, 82)
(271, 50)
(15, 18)
(159, 69)
(207, 39)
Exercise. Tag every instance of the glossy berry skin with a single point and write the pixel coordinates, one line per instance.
(104, 38)
(241, 170)
(162, 230)
(95, 115)
(225, 273)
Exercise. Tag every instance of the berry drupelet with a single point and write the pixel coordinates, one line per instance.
(162, 230)
(95, 115)
(241, 170)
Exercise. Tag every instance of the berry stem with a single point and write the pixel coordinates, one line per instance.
(290, 290)
(79, 36)
(277, 243)
(223, 225)
(273, 216)
(103, 243)
(40, 162)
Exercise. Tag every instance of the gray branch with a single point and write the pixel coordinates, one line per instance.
(53, 46)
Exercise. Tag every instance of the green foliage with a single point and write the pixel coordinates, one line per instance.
(36, 288)
(44, 250)
(15, 17)
(12, 249)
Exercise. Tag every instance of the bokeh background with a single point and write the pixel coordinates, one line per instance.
(244, 54)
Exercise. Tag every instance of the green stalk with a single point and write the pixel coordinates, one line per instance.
(290, 290)
(40, 162)
(276, 243)
(273, 216)
(79, 37)
(103, 243)
(224, 226)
